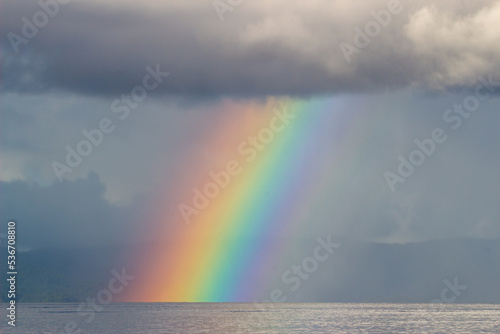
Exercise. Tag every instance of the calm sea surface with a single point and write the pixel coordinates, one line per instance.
(255, 318)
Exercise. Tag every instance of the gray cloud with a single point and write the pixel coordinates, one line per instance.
(261, 48)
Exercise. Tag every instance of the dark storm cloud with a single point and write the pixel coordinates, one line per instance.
(261, 48)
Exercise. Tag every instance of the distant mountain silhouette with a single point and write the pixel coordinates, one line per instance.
(357, 272)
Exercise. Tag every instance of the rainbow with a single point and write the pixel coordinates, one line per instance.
(225, 252)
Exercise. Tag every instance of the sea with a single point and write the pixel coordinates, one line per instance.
(124, 318)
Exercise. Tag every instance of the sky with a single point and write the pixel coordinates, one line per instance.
(395, 72)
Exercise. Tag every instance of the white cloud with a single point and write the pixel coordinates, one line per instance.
(452, 48)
